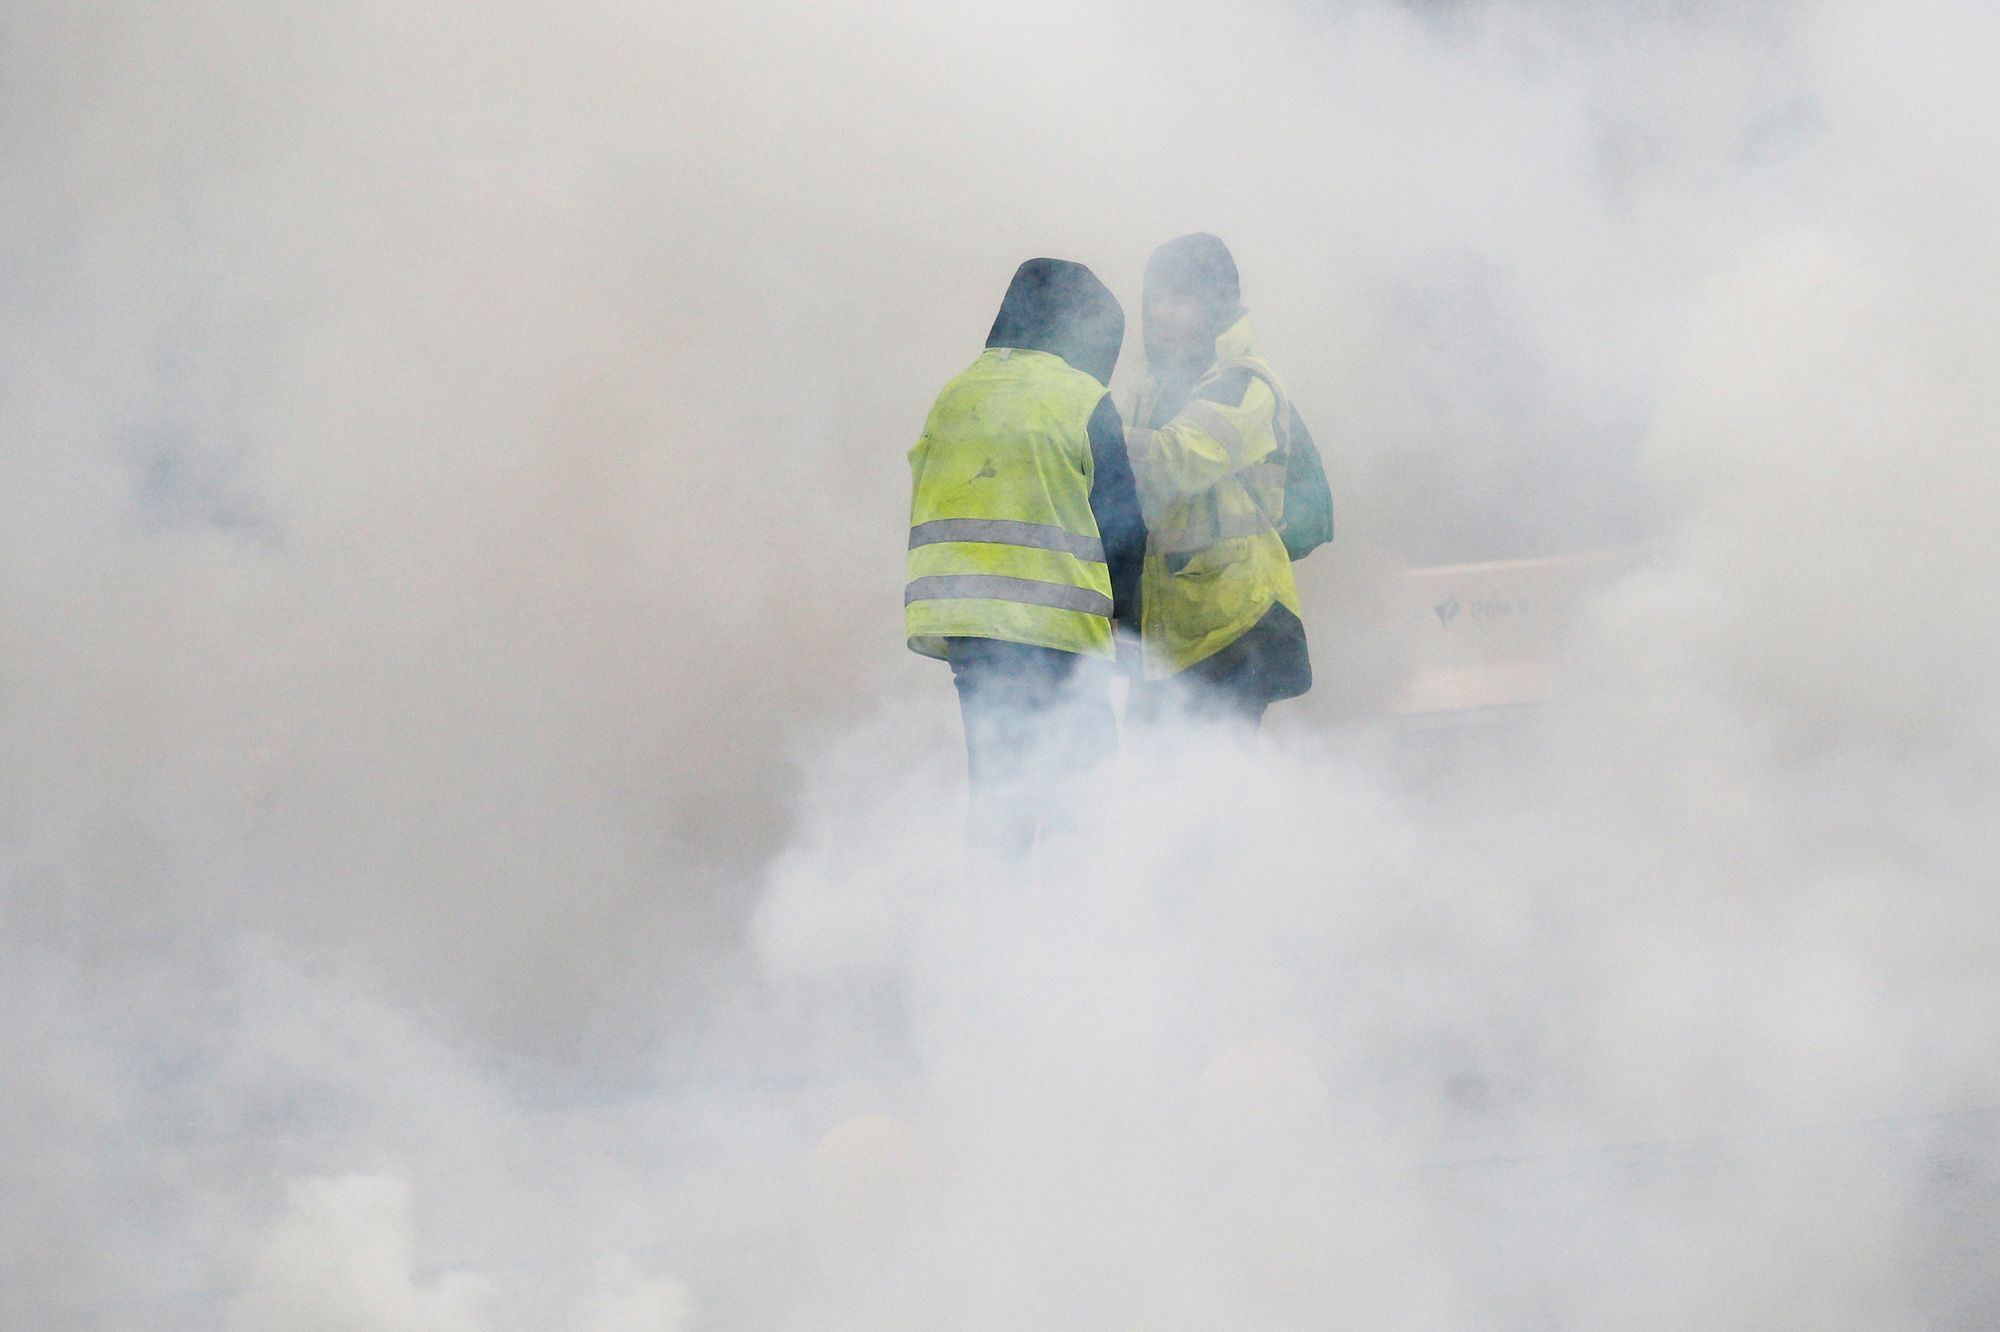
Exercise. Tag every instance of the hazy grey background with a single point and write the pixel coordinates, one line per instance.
(470, 826)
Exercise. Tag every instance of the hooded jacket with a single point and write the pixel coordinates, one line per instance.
(1206, 446)
(1024, 518)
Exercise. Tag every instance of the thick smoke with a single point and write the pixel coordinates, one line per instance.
(478, 856)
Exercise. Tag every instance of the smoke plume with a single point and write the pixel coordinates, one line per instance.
(478, 855)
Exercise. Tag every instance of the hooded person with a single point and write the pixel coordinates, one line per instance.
(1026, 546)
(1210, 422)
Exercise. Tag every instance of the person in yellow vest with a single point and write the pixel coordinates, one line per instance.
(1026, 544)
(1207, 430)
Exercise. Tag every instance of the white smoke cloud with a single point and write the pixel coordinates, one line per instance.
(478, 856)
(339, 1260)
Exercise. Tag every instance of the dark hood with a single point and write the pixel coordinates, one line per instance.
(1056, 306)
(1197, 270)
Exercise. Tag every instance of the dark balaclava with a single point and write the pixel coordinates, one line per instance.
(1196, 275)
(1056, 306)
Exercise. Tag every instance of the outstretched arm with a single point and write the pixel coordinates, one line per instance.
(1222, 430)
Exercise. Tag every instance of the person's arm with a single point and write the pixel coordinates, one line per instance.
(1115, 500)
(1206, 440)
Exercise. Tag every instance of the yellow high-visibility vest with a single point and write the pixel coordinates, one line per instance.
(1212, 487)
(1003, 543)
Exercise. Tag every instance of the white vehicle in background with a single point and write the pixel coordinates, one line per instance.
(1483, 641)
(1460, 567)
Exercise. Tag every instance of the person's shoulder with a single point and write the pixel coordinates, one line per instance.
(1235, 389)
(1229, 388)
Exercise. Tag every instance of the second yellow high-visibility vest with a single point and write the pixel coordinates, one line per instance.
(1212, 486)
(1003, 543)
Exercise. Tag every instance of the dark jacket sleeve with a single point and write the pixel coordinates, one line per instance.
(1115, 500)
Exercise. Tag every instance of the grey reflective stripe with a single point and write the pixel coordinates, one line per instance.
(1268, 475)
(1235, 525)
(1219, 427)
(1256, 371)
(998, 587)
(1007, 532)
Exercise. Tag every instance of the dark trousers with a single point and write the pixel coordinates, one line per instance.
(1036, 721)
(1266, 664)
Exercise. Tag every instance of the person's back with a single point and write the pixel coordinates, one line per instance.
(1003, 542)
(1208, 439)
(1025, 544)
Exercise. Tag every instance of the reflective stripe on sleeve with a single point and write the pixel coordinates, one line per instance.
(998, 587)
(1216, 425)
(1229, 528)
(1007, 532)
(1268, 476)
